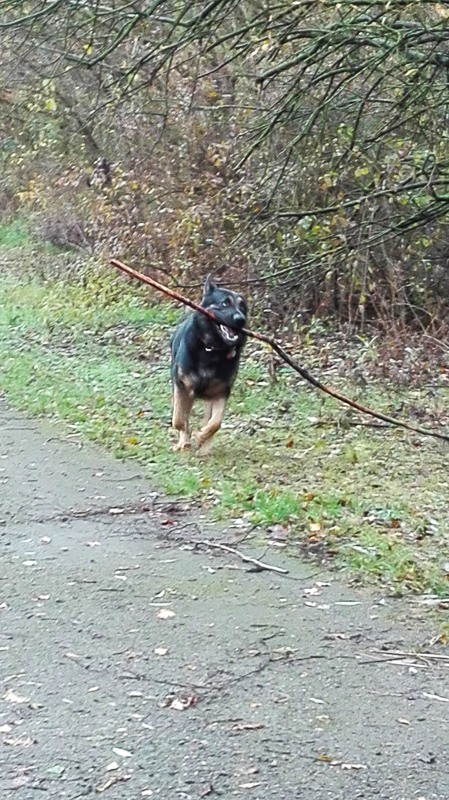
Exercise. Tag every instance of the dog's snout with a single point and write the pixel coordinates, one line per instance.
(238, 319)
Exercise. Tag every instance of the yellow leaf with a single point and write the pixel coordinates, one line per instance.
(443, 12)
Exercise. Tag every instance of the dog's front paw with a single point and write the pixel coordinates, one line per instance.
(181, 446)
(202, 445)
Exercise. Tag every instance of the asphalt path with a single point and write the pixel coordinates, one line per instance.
(136, 660)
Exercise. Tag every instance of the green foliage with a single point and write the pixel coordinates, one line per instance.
(303, 146)
(14, 234)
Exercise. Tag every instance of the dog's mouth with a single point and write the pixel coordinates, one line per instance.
(228, 334)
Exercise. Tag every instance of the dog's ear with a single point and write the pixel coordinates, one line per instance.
(209, 285)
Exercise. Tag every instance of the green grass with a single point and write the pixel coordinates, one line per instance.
(14, 234)
(90, 350)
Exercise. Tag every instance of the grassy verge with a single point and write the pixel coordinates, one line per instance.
(86, 347)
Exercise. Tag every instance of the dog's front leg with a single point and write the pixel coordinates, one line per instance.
(214, 410)
(182, 406)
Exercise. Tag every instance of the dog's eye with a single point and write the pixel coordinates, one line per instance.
(226, 302)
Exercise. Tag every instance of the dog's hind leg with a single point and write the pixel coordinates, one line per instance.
(207, 411)
(215, 409)
(182, 406)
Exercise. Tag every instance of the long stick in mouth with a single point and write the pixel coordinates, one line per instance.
(262, 337)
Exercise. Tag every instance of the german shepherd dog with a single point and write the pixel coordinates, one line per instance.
(205, 361)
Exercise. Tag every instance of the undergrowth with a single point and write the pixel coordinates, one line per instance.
(88, 348)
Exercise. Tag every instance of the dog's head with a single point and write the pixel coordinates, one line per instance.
(230, 310)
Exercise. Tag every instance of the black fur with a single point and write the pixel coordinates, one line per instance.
(205, 358)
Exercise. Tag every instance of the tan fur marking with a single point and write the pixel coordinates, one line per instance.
(215, 391)
(207, 411)
(182, 406)
(216, 411)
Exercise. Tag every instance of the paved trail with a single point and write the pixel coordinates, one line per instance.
(255, 685)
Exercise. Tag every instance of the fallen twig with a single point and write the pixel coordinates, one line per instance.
(405, 658)
(435, 697)
(261, 337)
(407, 654)
(411, 662)
(248, 559)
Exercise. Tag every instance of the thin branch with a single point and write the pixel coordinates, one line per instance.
(261, 337)
(262, 565)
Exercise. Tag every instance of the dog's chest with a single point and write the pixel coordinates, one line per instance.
(214, 377)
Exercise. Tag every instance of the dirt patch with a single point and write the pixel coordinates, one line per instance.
(138, 664)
